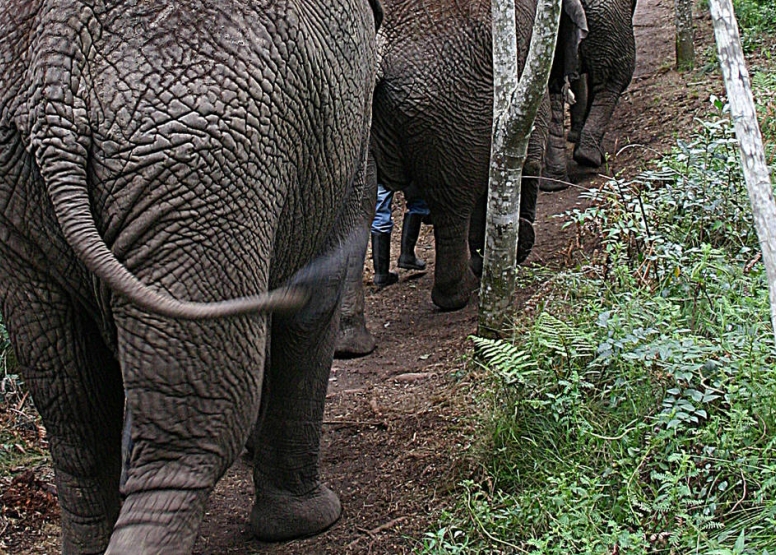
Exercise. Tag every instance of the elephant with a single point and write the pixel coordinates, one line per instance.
(432, 120)
(606, 62)
(180, 183)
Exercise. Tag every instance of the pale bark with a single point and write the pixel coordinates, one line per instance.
(742, 110)
(515, 105)
(685, 51)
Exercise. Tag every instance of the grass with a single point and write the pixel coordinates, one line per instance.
(635, 410)
(21, 434)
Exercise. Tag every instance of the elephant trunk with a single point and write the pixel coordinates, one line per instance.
(71, 205)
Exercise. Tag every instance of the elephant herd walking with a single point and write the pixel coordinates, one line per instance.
(185, 197)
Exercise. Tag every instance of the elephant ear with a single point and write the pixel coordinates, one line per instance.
(573, 29)
(575, 11)
(377, 9)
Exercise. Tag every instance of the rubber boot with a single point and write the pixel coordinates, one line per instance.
(381, 257)
(409, 237)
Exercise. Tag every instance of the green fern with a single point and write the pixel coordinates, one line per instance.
(561, 338)
(503, 358)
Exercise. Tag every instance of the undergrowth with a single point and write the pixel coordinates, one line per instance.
(756, 18)
(635, 412)
(22, 443)
(21, 434)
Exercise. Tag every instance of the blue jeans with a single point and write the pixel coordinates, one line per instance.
(383, 222)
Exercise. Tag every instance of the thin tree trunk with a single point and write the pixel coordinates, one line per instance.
(742, 110)
(685, 51)
(515, 105)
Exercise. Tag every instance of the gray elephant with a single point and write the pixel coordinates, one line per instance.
(433, 112)
(164, 167)
(606, 61)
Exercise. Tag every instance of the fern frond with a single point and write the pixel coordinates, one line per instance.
(561, 338)
(503, 358)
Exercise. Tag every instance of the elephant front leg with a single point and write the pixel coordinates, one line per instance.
(477, 236)
(291, 502)
(529, 184)
(555, 160)
(579, 109)
(354, 339)
(76, 385)
(526, 235)
(589, 150)
(454, 280)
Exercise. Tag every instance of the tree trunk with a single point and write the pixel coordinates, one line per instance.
(742, 110)
(515, 105)
(685, 52)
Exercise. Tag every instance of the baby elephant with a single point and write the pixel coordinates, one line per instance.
(168, 172)
(605, 65)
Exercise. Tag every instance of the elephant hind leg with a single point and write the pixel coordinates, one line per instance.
(291, 502)
(76, 385)
(454, 279)
(589, 150)
(555, 174)
(579, 109)
(193, 389)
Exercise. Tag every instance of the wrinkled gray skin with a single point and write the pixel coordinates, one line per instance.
(353, 338)
(210, 150)
(433, 113)
(607, 60)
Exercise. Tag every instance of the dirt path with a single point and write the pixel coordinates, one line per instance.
(395, 428)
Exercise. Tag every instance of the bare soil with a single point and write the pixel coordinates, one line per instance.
(398, 427)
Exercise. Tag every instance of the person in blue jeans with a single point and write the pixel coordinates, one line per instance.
(382, 225)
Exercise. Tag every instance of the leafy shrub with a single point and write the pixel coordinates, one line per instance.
(756, 15)
(637, 413)
(764, 88)
(756, 18)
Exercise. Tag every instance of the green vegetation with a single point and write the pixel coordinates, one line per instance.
(636, 412)
(20, 429)
(756, 18)
(756, 22)
(764, 85)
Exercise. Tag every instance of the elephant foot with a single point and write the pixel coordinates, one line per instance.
(159, 521)
(554, 178)
(279, 516)
(455, 297)
(588, 155)
(354, 341)
(526, 237)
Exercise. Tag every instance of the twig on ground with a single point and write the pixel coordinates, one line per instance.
(743, 495)
(20, 404)
(353, 423)
(752, 262)
(410, 377)
(374, 531)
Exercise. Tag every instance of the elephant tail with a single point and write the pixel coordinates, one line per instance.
(71, 205)
(60, 139)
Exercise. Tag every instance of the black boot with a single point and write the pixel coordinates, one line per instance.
(381, 257)
(409, 237)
